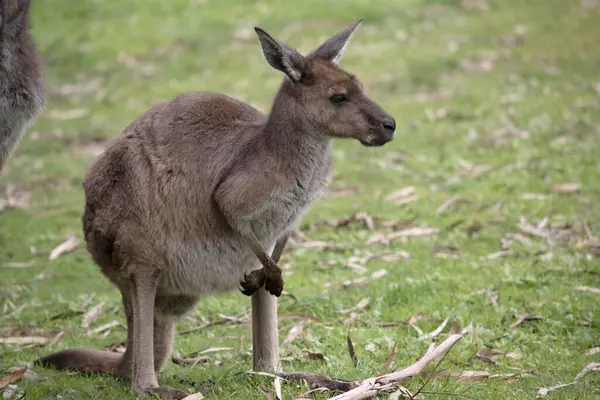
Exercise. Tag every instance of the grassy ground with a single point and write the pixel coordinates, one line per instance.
(498, 105)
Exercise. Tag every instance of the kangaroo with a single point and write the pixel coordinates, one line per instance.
(189, 198)
(22, 91)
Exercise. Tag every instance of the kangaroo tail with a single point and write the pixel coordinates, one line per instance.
(84, 360)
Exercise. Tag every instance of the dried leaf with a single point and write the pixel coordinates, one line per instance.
(27, 264)
(380, 273)
(398, 194)
(388, 361)
(523, 318)
(319, 244)
(195, 396)
(588, 289)
(91, 315)
(342, 192)
(450, 203)
(370, 347)
(490, 355)
(104, 327)
(315, 356)
(190, 361)
(462, 376)
(393, 257)
(499, 254)
(294, 332)
(407, 200)
(351, 351)
(24, 340)
(565, 187)
(515, 355)
(592, 351)
(65, 247)
(361, 304)
(417, 317)
(14, 376)
(535, 196)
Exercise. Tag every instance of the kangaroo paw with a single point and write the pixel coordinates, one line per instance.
(274, 283)
(252, 281)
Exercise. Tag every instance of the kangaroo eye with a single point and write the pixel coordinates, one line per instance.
(338, 99)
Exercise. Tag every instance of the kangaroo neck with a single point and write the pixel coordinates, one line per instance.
(290, 135)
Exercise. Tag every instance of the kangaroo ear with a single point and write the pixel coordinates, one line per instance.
(3, 12)
(333, 49)
(281, 57)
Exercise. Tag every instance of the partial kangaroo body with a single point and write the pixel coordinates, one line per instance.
(192, 195)
(22, 92)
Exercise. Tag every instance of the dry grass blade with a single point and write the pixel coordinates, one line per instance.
(435, 333)
(450, 203)
(372, 387)
(351, 350)
(461, 376)
(382, 238)
(318, 244)
(24, 340)
(588, 289)
(267, 394)
(91, 315)
(294, 332)
(18, 264)
(214, 350)
(565, 187)
(398, 194)
(65, 247)
(105, 327)
(14, 376)
(524, 318)
(388, 361)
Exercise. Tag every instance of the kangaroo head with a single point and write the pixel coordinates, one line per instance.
(327, 99)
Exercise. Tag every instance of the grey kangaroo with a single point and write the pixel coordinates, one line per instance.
(22, 92)
(192, 195)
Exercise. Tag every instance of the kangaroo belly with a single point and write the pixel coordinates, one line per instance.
(205, 266)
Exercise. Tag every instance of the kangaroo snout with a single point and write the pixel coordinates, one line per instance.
(381, 134)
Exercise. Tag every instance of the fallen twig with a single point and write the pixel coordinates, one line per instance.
(371, 387)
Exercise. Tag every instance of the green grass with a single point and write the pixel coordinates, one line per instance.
(121, 57)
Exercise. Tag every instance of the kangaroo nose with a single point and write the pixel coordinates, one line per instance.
(389, 124)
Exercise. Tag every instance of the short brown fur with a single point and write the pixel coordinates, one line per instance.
(194, 193)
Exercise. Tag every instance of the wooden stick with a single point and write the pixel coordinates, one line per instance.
(265, 335)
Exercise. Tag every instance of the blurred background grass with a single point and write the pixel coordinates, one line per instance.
(494, 100)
